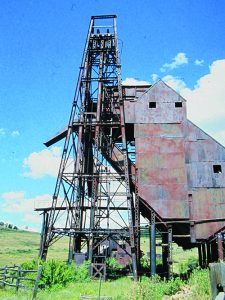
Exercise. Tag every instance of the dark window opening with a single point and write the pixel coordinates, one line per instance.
(217, 169)
(178, 104)
(152, 105)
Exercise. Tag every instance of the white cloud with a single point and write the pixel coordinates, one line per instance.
(133, 81)
(43, 163)
(15, 133)
(199, 62)
(206, 101)
(174, 82)
(178, 60)
(155, 77)
(16, 202)
(2, 131)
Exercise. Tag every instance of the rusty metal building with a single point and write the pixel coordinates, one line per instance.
(173, 173)
(181, 168)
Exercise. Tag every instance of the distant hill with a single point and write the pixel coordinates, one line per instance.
(18, 246)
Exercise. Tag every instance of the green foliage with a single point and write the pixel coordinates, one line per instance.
(113, 266)
(56, 274)
(199, 282)
(145, 262)
(82, 272)
(190, 264)
(154, 289)
(125, 289)
(112, 263)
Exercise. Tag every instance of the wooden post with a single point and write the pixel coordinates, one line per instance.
(18, 279)
(37, 282)
(4, 276)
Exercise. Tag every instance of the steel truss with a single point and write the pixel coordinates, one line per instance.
(95, 200)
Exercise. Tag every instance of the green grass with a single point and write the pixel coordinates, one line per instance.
(18, 246)
(197, 288)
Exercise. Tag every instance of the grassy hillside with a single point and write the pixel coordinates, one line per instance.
(18, 246)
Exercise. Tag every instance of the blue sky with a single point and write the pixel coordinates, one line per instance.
(41, 45)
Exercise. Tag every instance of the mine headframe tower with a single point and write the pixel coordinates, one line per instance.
(94, 201)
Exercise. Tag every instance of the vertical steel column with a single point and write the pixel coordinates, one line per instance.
(170, 261)
(71, 249)
(137, 218)
(165, 253)
(42, 250)
(204, 263)
(220, 246)
(200, 255)
(208, 250)
(153, 245)
(214, 250)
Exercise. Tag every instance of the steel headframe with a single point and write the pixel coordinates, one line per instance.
(94, 201)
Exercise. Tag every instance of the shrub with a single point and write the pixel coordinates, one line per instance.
(56, 274)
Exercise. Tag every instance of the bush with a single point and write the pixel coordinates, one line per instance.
(56, 274)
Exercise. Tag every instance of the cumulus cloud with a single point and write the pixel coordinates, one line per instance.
(199, 62)
(2, 131)
(155, 77)
(133, 81)
(43, 163)
(178, 60)
(16, 202)
(174, 82)
(206, 101)
(15, 133)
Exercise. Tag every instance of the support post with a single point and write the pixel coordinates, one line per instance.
(170, 261)
(208, 250)
(165, 253)
(204, 255)
(214, 250)
(220, 246)
(200, 255)
(42, 250)
(153, 245)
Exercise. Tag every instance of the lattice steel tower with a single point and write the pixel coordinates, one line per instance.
(94, 201)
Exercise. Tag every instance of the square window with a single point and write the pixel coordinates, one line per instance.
(152, 105)
(217, 169)
(178, 104)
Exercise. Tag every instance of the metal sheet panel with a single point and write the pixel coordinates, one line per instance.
(162, 169)
(159, 130)
(208, 204)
